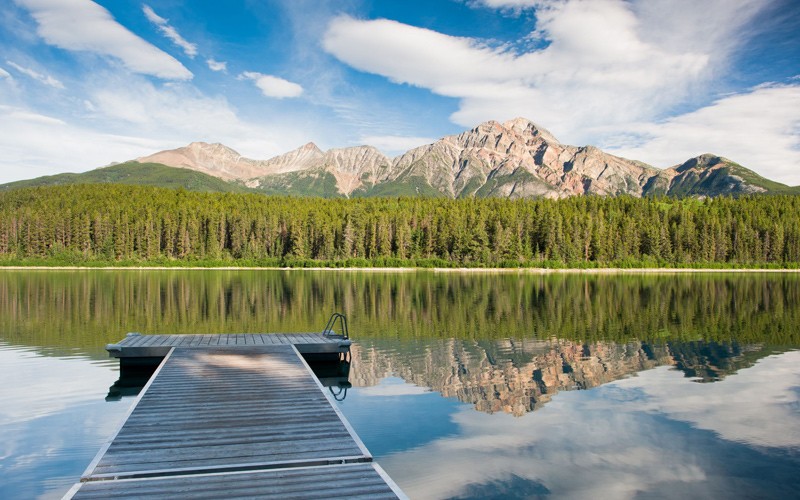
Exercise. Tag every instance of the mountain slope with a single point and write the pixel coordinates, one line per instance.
(336, 172)
(515, 159)
(519, 159)
(147, 174)
(215, 160)
(709, 175)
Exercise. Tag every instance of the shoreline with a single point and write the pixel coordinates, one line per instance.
(459, 270)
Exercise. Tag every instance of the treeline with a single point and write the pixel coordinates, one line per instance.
(135, 224)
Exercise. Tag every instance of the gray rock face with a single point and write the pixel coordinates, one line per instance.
(515, 159)
(301, 158)
(519, 159)
(709, 175)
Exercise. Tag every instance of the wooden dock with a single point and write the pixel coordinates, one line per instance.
(233, 416)
(135, 346)
(352, 481)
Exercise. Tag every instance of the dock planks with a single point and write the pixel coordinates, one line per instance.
(352, 481)
(228, 408)
(235, 420)
(157, 346)
(233, 415)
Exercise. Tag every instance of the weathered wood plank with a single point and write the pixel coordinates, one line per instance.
(188, 340)
(224, 409)
(227, 404)
(332, 481)
(149, 340)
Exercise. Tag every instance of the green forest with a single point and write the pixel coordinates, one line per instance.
(123, 225)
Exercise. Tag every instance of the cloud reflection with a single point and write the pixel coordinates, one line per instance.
(760, 406)
(51, 429)
(654, 434)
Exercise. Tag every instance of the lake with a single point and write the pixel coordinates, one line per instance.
(464, 385)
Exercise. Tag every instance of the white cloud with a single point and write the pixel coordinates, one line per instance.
(603, 70)
(182, 113)
(40, 77)
(406, 54)
(596, 68)
(190, 49)
(395, 144)
(758, 129)
(273, 86)
(33, 145)
(769, 389)
(217, 65)
(4, 73)
(127, 116)
(34, 390)
(27, 116)
(82, 25)
(508, 4)
(618, 440)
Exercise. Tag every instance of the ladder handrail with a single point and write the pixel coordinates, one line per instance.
(328, 330)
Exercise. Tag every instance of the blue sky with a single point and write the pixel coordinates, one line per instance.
(83, 83)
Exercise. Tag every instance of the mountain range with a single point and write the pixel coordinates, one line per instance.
(515, 159)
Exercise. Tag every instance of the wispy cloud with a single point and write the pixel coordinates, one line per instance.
(34, 144)
(130, 116)
(82, 25)
(190, 49)
(273, 86)
(4, 73)
(506, 4)
(602, 69)
(217, 65)
(759, 129)
(605, 75)
(40, 77)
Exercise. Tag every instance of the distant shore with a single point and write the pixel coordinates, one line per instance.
(458, 270)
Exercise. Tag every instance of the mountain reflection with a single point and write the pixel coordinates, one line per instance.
(504, 342)
(517, 377)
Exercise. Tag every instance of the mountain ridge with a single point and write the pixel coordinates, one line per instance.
(514, 159)
(143, 174)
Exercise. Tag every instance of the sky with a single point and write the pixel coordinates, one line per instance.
(84, 84)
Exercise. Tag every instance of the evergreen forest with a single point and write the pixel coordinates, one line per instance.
(112, 224)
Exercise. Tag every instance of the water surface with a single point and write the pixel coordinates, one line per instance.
(464, 385)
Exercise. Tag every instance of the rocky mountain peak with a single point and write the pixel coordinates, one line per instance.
(516, 158)
(213, 159)
(355, 158)
(310, 146)
(523, 126)
(705, 160)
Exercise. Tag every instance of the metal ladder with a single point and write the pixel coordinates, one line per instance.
(328, 330)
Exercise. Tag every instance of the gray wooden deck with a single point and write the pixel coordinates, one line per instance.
(238, 408)
(350, 481)
(135, 345)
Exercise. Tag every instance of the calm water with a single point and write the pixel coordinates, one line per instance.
(464, 385)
